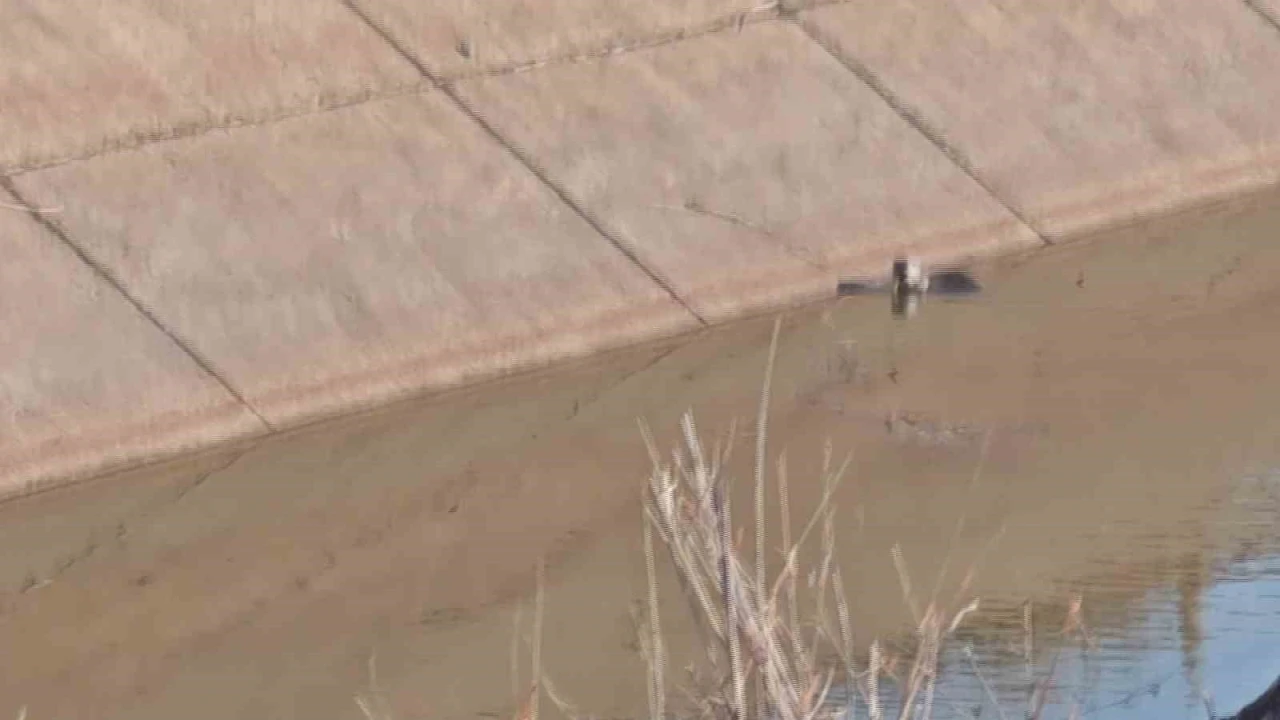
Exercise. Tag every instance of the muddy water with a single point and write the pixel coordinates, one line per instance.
(1100, 422)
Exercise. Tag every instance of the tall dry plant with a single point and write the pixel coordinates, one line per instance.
(771, 664)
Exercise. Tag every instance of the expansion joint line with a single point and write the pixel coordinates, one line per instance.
(1265, 16)
(917, 122)
(522, 157)
(103, 272)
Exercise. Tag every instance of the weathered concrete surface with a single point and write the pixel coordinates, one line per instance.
(81, 76)
(1271, 8)
(343, 260)
(749, 168)
(1082, 114)
(461, 37)
(87, 383)
(337, 261)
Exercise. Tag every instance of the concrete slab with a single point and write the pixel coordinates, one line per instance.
(461, 37)
(86, 382)
(341, 261)
(80, 77)
(750, 168)
(1088, 114)
(1271, 8)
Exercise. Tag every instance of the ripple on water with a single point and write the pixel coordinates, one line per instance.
(1195, 635)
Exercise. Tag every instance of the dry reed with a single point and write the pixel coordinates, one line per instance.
(757, 637)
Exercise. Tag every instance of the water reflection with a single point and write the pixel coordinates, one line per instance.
(1195, 636)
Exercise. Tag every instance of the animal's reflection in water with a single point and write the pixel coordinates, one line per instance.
(908, 283)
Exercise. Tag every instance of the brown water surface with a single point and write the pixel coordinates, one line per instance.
(1115, 401)
(1104, 417)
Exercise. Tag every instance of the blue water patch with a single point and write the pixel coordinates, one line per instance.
(1205, 637)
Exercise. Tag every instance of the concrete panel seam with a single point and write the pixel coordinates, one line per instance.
(789, 10)
(1262, 13)
(736, 21)
(525, 160)
(47, 223)
(918, 123)
(121, 145)
(769, 12)
(126, 144)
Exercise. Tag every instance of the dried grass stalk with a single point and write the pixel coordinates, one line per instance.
(755, 620)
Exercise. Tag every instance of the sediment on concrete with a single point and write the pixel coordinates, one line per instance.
(377, 201)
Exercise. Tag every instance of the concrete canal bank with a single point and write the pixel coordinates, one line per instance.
(248, 219)
(322, 323)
